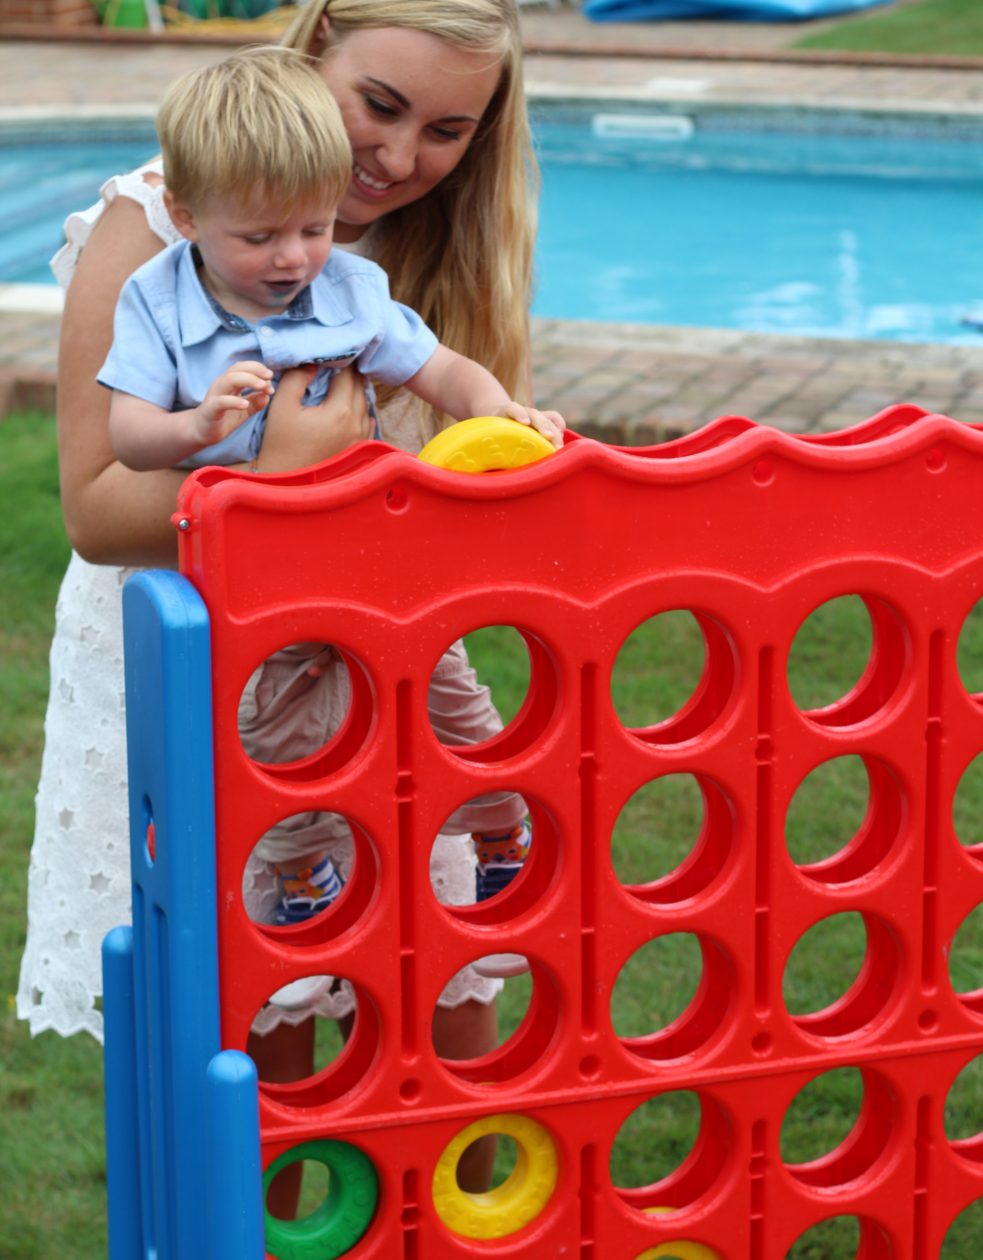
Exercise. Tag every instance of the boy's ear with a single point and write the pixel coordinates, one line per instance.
(181, 216)
(322, 36)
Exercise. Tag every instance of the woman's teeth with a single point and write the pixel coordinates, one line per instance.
(378, 184)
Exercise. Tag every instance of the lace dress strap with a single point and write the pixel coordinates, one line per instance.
(78, 227)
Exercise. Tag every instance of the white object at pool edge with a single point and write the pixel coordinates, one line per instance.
(643, 126)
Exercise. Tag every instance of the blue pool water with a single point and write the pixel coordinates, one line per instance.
(42, 183)
(659, 222)
(812, 234)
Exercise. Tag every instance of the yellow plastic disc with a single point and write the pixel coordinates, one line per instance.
(486, 444)
(513, 1204)
(676, 1249)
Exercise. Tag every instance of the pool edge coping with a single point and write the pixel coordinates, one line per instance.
(659, 96)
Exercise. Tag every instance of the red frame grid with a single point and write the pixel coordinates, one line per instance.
(751, 530)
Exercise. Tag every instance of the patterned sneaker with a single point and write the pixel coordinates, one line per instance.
(307, 892)
(500, 859)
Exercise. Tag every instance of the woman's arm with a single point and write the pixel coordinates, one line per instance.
(112, 514)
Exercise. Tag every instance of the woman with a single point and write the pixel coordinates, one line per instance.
(432, 98)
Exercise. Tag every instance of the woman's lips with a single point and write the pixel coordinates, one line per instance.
(371, 183)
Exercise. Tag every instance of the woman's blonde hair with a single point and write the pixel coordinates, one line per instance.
(462, 255)
(260, 124)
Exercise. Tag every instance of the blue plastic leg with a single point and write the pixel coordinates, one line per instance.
(119, 1070)
(175, 963)
(235, 1198)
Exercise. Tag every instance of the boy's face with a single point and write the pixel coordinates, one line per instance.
(256, 260)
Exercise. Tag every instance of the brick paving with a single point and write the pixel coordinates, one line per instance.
(640, 385)
(625, 383)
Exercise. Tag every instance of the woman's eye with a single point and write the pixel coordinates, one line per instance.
(382, 108)
(446, 133)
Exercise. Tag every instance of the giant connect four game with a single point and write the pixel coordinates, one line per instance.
(391, 559)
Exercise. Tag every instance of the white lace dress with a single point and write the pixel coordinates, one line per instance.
(79, 875)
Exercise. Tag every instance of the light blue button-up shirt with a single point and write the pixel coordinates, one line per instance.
(172, 339)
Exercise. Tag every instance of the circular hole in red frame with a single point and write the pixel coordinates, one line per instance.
(672, 838)
(673, 676)
(338, 1038)
(965, 956)
(355, 862)
(305, 711)
(969, 653)
(843, 1237)
(837, 1127)
(530, 1008)
(671, 997)
(841, 974)
(516, 669)
(962, 1238)
(967, 808)
(454, 868)
(844, 818)
(670, 1151)
(963, 1114)
(847, 659)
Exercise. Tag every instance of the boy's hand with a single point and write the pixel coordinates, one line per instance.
(549, 423)
(236, 395)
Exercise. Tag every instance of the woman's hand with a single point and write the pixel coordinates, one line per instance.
(297, 436)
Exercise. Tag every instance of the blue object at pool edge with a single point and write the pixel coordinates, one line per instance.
(738, 10)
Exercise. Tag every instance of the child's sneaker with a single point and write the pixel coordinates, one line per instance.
(307, 892)
(500, 859)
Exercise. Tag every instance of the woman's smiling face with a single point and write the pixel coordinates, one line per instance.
(411, 104)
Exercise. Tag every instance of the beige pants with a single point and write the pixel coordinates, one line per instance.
(296, 700)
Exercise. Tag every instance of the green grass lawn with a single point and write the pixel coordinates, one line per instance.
(953, 27)
(51, 1156)
(51, 1163)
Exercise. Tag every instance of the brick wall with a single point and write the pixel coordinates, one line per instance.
(49, 12)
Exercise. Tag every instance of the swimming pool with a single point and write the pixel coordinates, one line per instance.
(798, 231)
(667, 219)
(42, 182)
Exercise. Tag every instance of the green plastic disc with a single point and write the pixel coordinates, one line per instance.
(337, 1224)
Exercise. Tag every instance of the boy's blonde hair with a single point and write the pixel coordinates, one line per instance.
(462, 255)
(261, 124)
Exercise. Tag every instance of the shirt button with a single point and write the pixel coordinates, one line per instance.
(266, 332)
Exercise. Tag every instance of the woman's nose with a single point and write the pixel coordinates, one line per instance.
(398, 155)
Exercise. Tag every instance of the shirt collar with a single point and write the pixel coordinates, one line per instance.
(328, 306)
(202, 315)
